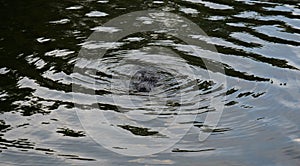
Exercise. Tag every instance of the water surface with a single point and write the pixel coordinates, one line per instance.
(257, 41)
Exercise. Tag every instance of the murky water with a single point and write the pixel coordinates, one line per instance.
(59, 107)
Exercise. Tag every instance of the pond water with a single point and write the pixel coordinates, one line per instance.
(184, 82)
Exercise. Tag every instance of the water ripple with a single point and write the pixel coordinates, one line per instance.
(258, 45)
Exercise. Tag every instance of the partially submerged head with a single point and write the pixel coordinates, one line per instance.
(144, 80)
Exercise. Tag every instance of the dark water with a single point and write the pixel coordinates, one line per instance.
(257, 43)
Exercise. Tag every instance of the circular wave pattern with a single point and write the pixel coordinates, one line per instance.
(151, 88)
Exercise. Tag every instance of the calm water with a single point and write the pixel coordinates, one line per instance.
(258, 55)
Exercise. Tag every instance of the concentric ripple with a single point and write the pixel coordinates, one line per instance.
(148, 88)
